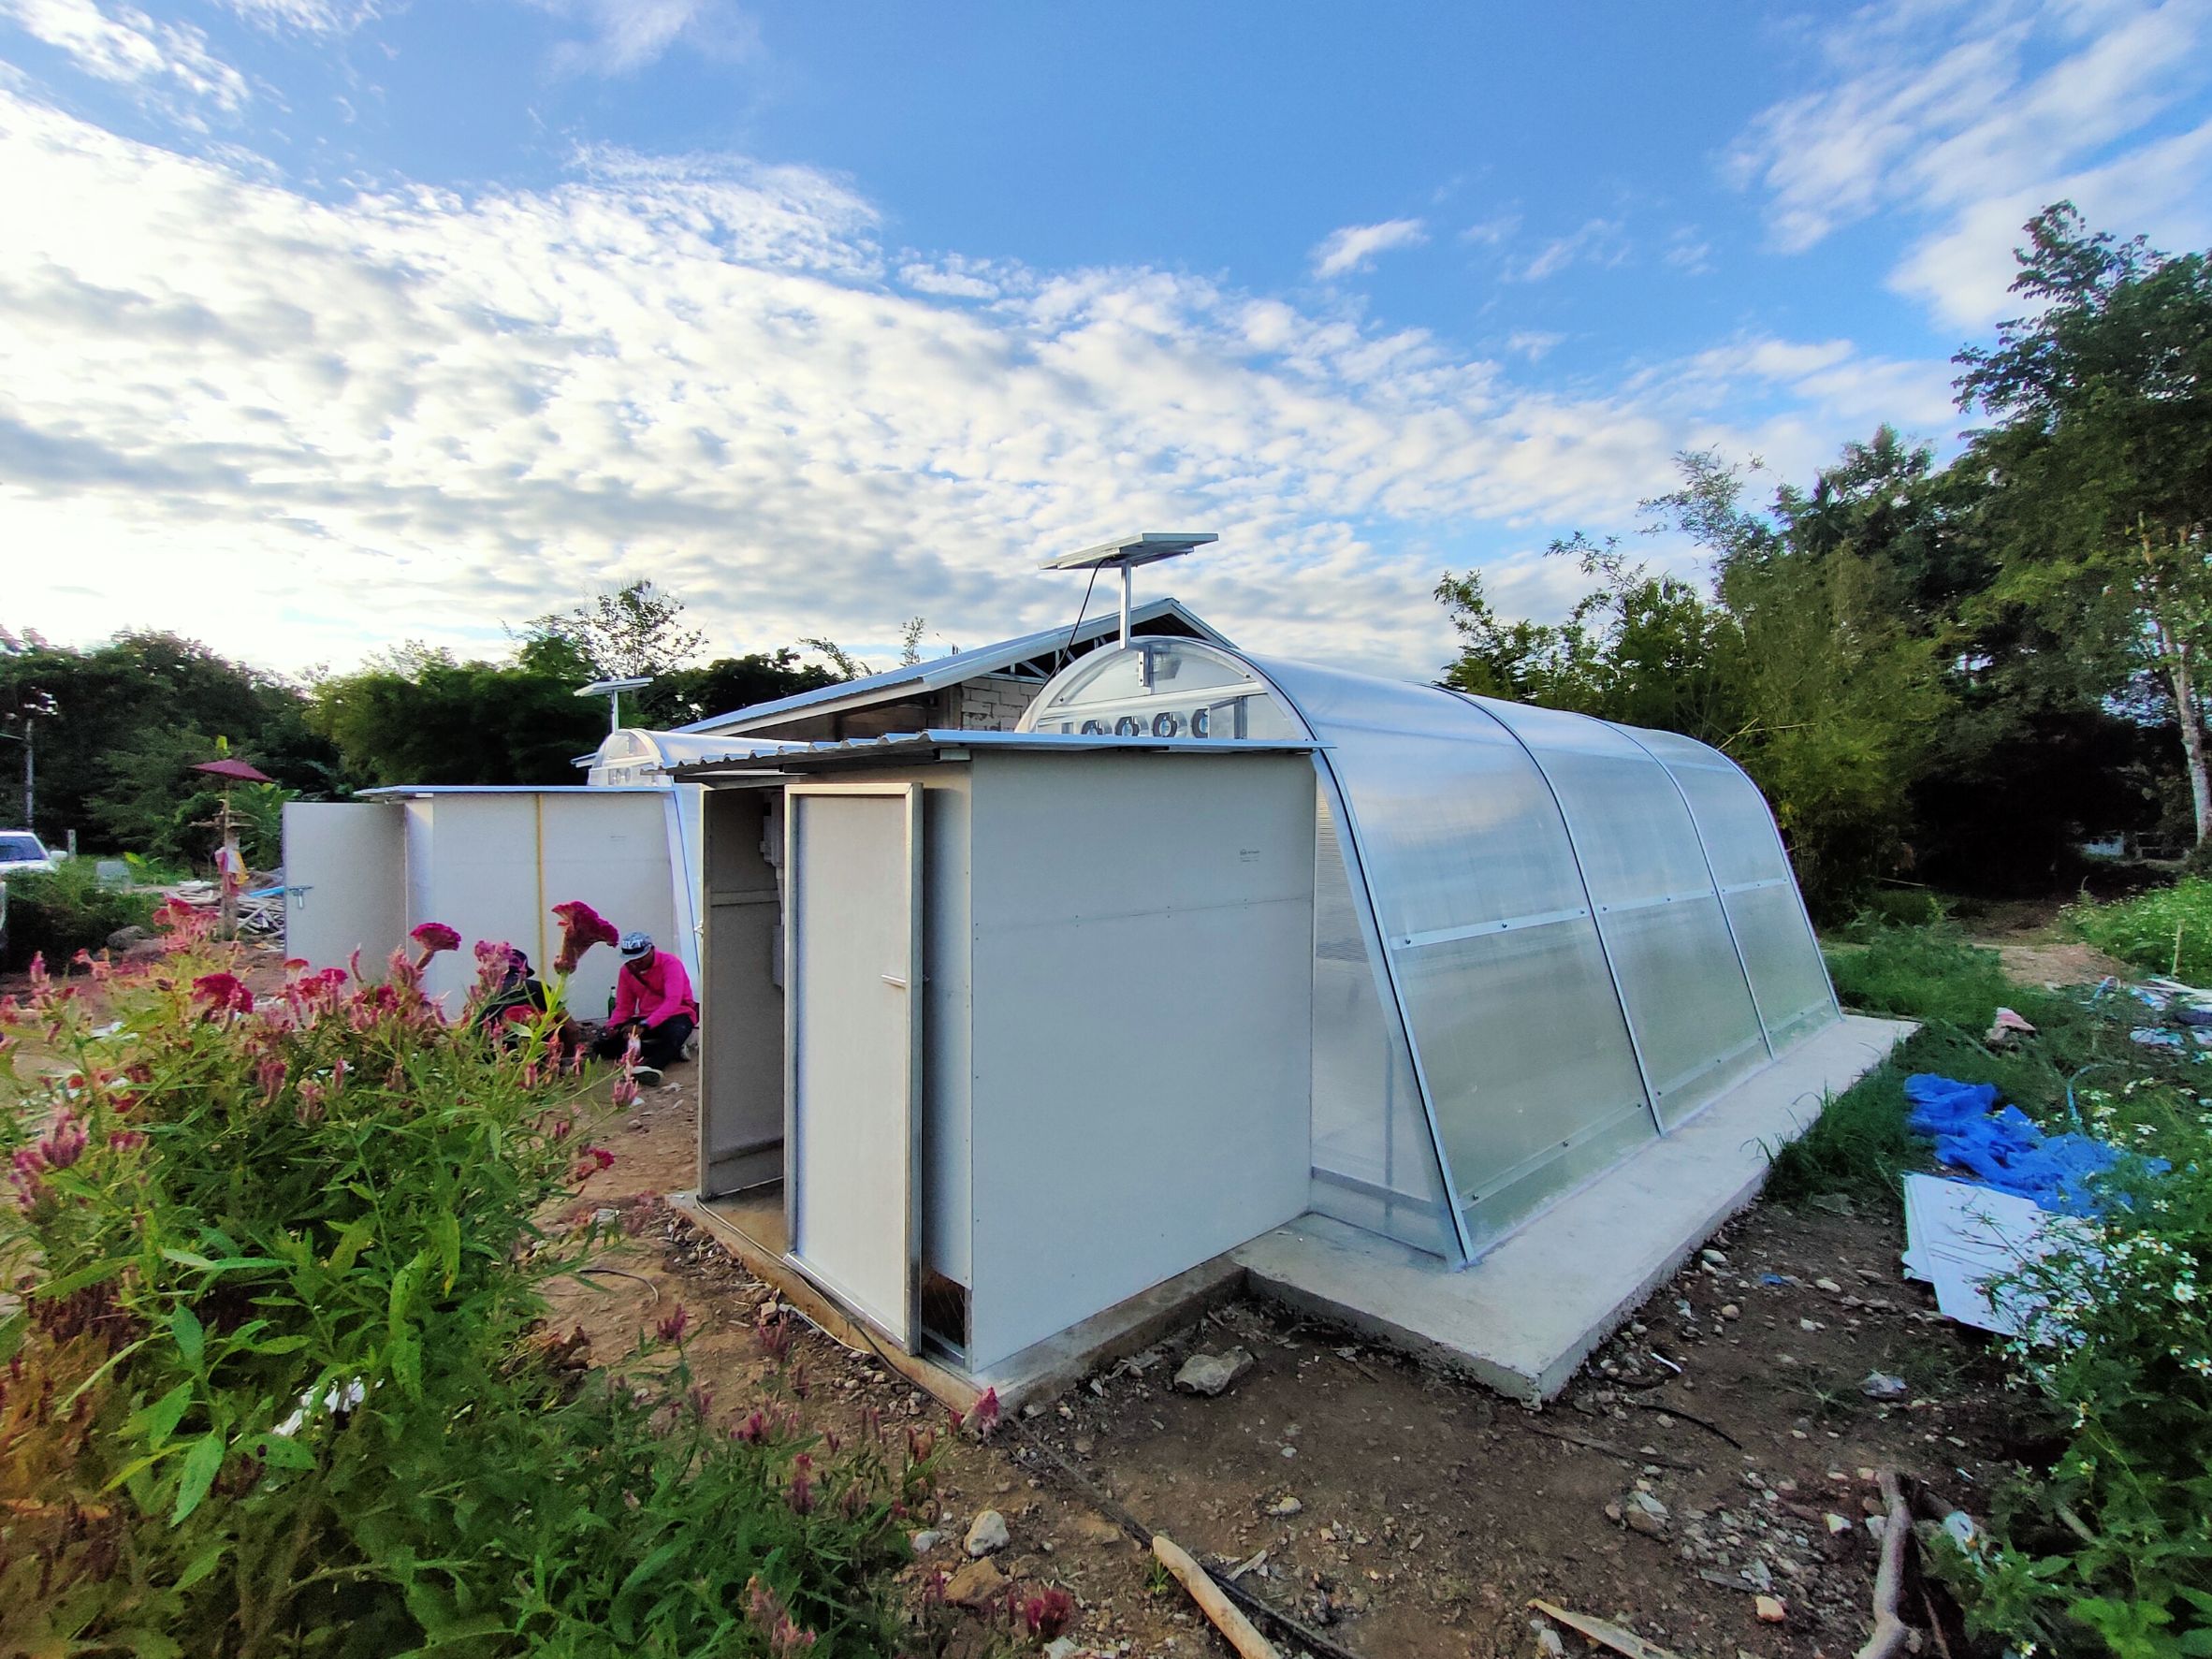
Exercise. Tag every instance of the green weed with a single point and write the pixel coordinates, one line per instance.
(274, 1381)
(2166, 931)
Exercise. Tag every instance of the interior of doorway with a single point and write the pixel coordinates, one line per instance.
(742, 1120)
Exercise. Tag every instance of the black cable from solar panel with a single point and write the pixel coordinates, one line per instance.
(1062, 657)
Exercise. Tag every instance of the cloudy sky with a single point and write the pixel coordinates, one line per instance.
(328, 324)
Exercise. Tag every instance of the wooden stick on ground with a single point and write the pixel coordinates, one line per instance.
(1608, 1447)
(1239, 1630)
(1890, 1630)
(1603, 1631)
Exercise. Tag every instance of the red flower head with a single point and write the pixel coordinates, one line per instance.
(581, 927)
(223, 992)
(185, 924)
(753, 1430)
(1050, 1614)
(672, 1326)
(983, 1417)
(802, 1485)
(433, 937)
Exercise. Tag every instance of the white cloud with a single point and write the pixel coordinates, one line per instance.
(169, 62)
(302, 429)
(1595, 242)
(307, 17)
(1490, 232)
(1531, 344)
(1687, 251)
(1354, 246)
(625, 35)
(1972, 114)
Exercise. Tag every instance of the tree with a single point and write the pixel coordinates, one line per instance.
(635, 631)
(420, 716)
(683, 696)
(1649, 649)
(131, 715)
(2099, 464)
(843, 663)
(1793, 662)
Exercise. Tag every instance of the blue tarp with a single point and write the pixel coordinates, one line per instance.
(2004, 1148)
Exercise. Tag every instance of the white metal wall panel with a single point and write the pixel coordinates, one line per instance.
(1143, 975)
(346, 867)
(611, 850)
(852, 979)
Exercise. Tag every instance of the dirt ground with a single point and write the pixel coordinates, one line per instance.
(1405, 1512)
(2026, 935)
(1718, 1449)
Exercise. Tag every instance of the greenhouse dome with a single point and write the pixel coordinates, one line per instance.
(1540, 940)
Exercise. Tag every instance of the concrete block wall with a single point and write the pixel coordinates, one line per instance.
(994, 702)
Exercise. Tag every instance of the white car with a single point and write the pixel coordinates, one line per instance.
(22, 854)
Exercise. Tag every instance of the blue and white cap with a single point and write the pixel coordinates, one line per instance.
(637, 944)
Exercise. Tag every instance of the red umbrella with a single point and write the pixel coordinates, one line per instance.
(238, 771)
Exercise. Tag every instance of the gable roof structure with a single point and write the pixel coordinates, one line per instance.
(1027, 656)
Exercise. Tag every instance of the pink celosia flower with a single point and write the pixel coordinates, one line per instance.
(223, 992)
(1049, 1615)
(126, 1139)
(753, 1430)
(786, 1638)
(581, 927)
(434, 937)
(672, 1325)
(591, 1161)
(624, 1093)
(801, 1496)
(270, 1076)
(983, 1417)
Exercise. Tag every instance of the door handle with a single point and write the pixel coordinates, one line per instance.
(894, 982)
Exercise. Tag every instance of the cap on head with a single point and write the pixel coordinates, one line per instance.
(637, 944)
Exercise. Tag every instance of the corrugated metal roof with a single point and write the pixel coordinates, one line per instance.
(939, 672)
(897, 747)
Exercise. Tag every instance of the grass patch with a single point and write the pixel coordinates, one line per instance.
(1931, 973)
(1860, 1143)
(2167, 930)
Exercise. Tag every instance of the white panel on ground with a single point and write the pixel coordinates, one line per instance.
(852, 975)
(346, 873)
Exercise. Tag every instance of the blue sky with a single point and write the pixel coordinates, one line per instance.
(335, 323)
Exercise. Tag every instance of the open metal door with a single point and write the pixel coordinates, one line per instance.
(345, 880)
(852, 1044)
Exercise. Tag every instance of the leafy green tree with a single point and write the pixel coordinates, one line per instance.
(682, 695)
(421, 715)
(634, 631)
(2099, 465)
(1794, 662)
(129, 717)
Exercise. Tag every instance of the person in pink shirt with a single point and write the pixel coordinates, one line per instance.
(653, 998)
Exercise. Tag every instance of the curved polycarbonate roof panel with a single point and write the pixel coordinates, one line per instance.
(1540, 939)
(1689, 1003)
(1766, 914)
(1487, 939)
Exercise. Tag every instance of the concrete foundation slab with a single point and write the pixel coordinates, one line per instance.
(1526, 1315)
(751, 1229)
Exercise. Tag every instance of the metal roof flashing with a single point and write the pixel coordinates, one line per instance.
(898, 748)
(939, 672)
